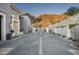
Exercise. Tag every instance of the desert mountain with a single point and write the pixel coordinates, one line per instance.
(47, 19)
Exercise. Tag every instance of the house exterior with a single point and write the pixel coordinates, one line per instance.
(68, 27)
(25, 23)
(9, 20)
(15, 21)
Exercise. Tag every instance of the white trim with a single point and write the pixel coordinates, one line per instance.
(18, 21)
(3, 26)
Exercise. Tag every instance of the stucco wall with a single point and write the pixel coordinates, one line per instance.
(75, 32)
(68, 32)
(63, 31)
(25, 24)
(4, 7)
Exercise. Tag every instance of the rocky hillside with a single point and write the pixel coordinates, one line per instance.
(47, 19)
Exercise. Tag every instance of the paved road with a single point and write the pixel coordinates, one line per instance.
(39, 43)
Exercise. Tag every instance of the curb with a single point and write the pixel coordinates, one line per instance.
(74, 46)
(19, 37)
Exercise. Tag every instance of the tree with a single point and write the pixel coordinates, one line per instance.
(72, 11)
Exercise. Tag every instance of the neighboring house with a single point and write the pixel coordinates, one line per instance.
(15, 21)
(9, 20)
(26, 25)
(68, 27)
(75, 32)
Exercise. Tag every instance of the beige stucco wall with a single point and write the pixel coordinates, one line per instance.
(15, 26)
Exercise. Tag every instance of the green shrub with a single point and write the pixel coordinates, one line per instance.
(72, 11)
(72, 25)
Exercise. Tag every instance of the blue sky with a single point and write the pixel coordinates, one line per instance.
(43, 8)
